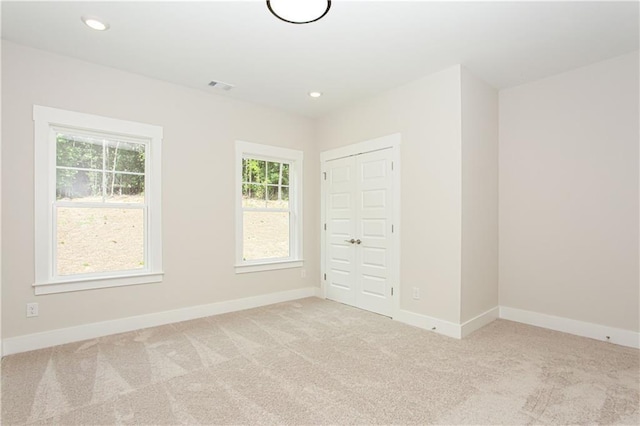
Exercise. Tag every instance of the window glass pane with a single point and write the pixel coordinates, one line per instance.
(125, 156)
(253, 171)
(253, 195)
(78, 185)
(124, 188)
(285, 174)
(74, 153)
(78, 151)
(266, 235)
(277, 197)
(99, 240)
(273, 173)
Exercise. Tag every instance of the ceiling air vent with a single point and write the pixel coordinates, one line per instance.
(220, 85)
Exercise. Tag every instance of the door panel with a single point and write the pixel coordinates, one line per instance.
(374, 286)
(373, 228)
(374, 257)
(358, 206)
(340, 256)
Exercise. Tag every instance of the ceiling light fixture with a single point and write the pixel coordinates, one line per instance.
(299, 11)
(95, 23)
(315, 94)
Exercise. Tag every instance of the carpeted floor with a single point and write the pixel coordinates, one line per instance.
(318, 362)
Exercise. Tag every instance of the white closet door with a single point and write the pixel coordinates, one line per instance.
(373, 230)
(358, 244)
(340, 220)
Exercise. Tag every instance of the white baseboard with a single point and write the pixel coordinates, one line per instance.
(50, 338)
(317, 292)
(61, 336)
(579, 328)
(480, 321)
(429, 323)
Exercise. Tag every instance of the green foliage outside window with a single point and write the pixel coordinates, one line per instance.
(265, 180)
(95, 167)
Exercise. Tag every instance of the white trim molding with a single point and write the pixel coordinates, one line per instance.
(479, 321)
(389, 141)
(268, 266)
(61, 336)
(47, 123)
(94, 283)
(447, 328)
(295, 160)
(436, 325)
(579, 328)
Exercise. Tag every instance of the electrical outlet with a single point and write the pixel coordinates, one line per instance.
(416, 293)
(32, 310)
(303, 273)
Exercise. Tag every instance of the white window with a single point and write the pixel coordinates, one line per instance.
(269, 207)
(97, 202)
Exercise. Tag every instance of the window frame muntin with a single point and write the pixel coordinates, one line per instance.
(295, 160)
(47, 122)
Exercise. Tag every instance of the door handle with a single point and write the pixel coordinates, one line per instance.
(352, 241)
(358, 241)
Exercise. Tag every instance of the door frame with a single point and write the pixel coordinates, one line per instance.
(390, 141)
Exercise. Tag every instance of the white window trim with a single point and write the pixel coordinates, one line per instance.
(272, 153)
(46, 119)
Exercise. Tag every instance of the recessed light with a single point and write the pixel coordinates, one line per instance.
(95, 23)
(315, 94)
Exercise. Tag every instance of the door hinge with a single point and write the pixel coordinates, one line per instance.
(392, 229)
(392, 291)
(325, 175)
(325, 226)
(325, 277)
(392, 166)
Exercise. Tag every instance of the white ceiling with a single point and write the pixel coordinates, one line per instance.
(359, 49)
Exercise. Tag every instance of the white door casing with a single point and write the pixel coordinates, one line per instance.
(360, 198)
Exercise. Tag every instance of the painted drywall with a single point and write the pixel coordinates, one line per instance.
(0, 216)
(479, 285)
(200, 130)
(426, 113)
(568, 197)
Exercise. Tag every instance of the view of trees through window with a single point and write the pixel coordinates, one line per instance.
(266, 212)
(265, 183)
(103, 171)
(93, 167)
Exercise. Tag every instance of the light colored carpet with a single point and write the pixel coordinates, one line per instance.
(319, 362)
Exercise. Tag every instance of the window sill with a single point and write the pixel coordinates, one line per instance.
(94, 283)
(268, 266)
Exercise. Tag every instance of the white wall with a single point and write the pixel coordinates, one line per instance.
(479, 197)
(198, 192)
(569, 195)
(427, 114)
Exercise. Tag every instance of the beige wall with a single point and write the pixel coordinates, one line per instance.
(569, 194)
(479, 197)
(427, 114)
(198, 193)
(1, 335)
(568, 190)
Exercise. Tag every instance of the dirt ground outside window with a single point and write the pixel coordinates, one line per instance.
(109, 239)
